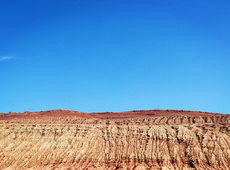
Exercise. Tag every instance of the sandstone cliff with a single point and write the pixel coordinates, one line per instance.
(152, 139)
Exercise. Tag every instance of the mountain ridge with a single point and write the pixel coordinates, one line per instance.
(156, 112)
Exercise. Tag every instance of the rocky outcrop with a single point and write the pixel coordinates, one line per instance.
(77, 141)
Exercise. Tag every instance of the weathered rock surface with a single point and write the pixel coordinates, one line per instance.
(152, 139)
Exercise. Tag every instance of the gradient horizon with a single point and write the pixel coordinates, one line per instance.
(97, 56)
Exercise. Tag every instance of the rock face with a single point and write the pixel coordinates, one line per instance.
(155, 139)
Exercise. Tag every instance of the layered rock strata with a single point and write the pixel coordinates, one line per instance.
(55, 140)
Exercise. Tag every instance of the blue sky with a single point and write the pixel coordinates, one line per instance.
(94, 56)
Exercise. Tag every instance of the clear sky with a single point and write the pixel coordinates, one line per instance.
(114, 55)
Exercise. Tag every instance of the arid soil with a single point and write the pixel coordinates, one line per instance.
(153, 139)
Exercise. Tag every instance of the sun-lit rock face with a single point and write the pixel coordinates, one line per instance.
(138, 140)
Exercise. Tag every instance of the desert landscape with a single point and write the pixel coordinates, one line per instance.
(114, 85)
(139, 139)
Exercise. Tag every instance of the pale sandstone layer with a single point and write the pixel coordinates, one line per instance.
(153, 139)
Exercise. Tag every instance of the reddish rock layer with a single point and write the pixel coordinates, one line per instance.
(59, 112)
(152, 139)
(149, 113)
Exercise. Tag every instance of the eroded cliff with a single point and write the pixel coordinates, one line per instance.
(127, 140)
